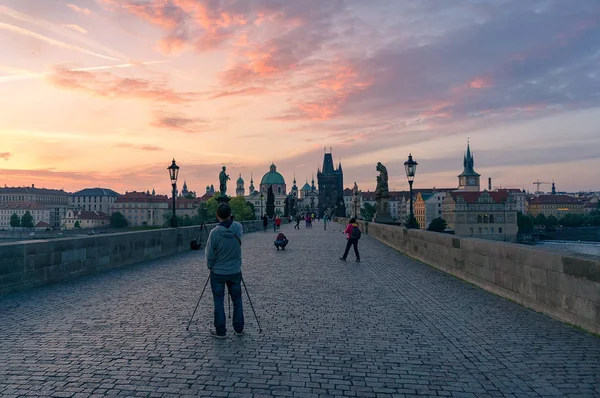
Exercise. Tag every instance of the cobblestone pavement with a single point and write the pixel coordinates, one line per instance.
(388, 326)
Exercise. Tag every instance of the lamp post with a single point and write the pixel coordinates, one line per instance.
(173, 173)
(411, 168)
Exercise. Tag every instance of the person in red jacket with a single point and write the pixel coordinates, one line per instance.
(352, 239)
(278, 222)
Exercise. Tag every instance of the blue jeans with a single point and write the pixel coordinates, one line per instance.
(234, 286)
(281, 243)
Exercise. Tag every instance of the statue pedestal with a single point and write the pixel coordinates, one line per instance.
(223, 199)
(383, 215)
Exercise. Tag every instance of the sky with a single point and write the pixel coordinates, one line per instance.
(107, 92)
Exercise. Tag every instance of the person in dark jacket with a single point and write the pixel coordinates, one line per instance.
(224, 260)
(265, 222)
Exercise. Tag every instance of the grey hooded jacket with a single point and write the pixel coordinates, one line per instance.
(223, 250)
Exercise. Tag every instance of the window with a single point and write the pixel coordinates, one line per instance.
(491, 218)
(479, 230)
(485, 219)
(491, 230)
(479, 221)
(499, 230)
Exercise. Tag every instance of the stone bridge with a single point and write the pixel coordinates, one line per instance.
(389, 326)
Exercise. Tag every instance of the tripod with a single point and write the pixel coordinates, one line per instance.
(247, 294)
(196, 244)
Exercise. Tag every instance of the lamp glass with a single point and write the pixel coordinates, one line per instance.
(173, 172)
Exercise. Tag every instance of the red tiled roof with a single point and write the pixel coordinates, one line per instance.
(42, 224)
(24, 206)
(472, 197)
(141, 197)
(554, 199)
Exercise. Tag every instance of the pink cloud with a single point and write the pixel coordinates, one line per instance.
(108, 85)
(80, 10)
(181, 123)
(5, 155)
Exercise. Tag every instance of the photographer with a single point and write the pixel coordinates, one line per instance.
(224, 260)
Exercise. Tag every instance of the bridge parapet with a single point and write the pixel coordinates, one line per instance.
(34, 263)
(562, 286)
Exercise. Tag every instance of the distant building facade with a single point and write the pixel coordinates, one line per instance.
(485, 215)
(41, 214)
(85, 219)
(427, 207)
(94, 199)
(555, 205)
(57, 201)
(143, 209)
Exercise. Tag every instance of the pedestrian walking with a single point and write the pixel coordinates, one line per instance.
(224, 260)
(298, 219)
(325, 222)
(278, 222)
(265, 222)
(353, 234)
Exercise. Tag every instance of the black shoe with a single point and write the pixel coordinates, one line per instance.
(342, 258)
(240, 333)
(283, 248)
(214, 334)
(358, 260)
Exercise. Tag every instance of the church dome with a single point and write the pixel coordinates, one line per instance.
(272, 177)
(240, 180)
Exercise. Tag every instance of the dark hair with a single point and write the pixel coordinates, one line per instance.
(223, 211)
(232, 217)
(352, 220)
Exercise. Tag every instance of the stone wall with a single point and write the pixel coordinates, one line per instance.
(34, 263)
(562, 286)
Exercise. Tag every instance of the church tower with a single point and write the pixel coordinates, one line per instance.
(251, 184)
(184, 191)
(239, 186)
(468, 180)
(295, 188)
(331, 187)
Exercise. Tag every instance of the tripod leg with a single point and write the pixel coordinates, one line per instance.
(198, 303)
(251, 306)
(229, 302)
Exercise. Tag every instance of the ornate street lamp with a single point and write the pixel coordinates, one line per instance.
(411, 168)
(173, 174)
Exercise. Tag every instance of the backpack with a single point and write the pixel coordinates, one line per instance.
(355, 233)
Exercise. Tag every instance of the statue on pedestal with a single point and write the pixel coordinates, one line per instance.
(382, 196)
(382, 181)
(223, 177)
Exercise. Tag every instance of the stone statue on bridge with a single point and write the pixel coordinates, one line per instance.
(223, 177)
(382, 196)
(382, 188)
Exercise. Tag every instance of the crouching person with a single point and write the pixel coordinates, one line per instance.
(281, 241)
(224, 260)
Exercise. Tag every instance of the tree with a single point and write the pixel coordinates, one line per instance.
(118, 220)
(211, 208)
(270, 202)
(240, 209)
(202, 212)
(437, 225)
(77, 225)
(411, 222)
(525, 223)
(27, 220)
(15, 220)
(367, 211)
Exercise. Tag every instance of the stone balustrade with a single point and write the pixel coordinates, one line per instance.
(563, 286)
(34, 263)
